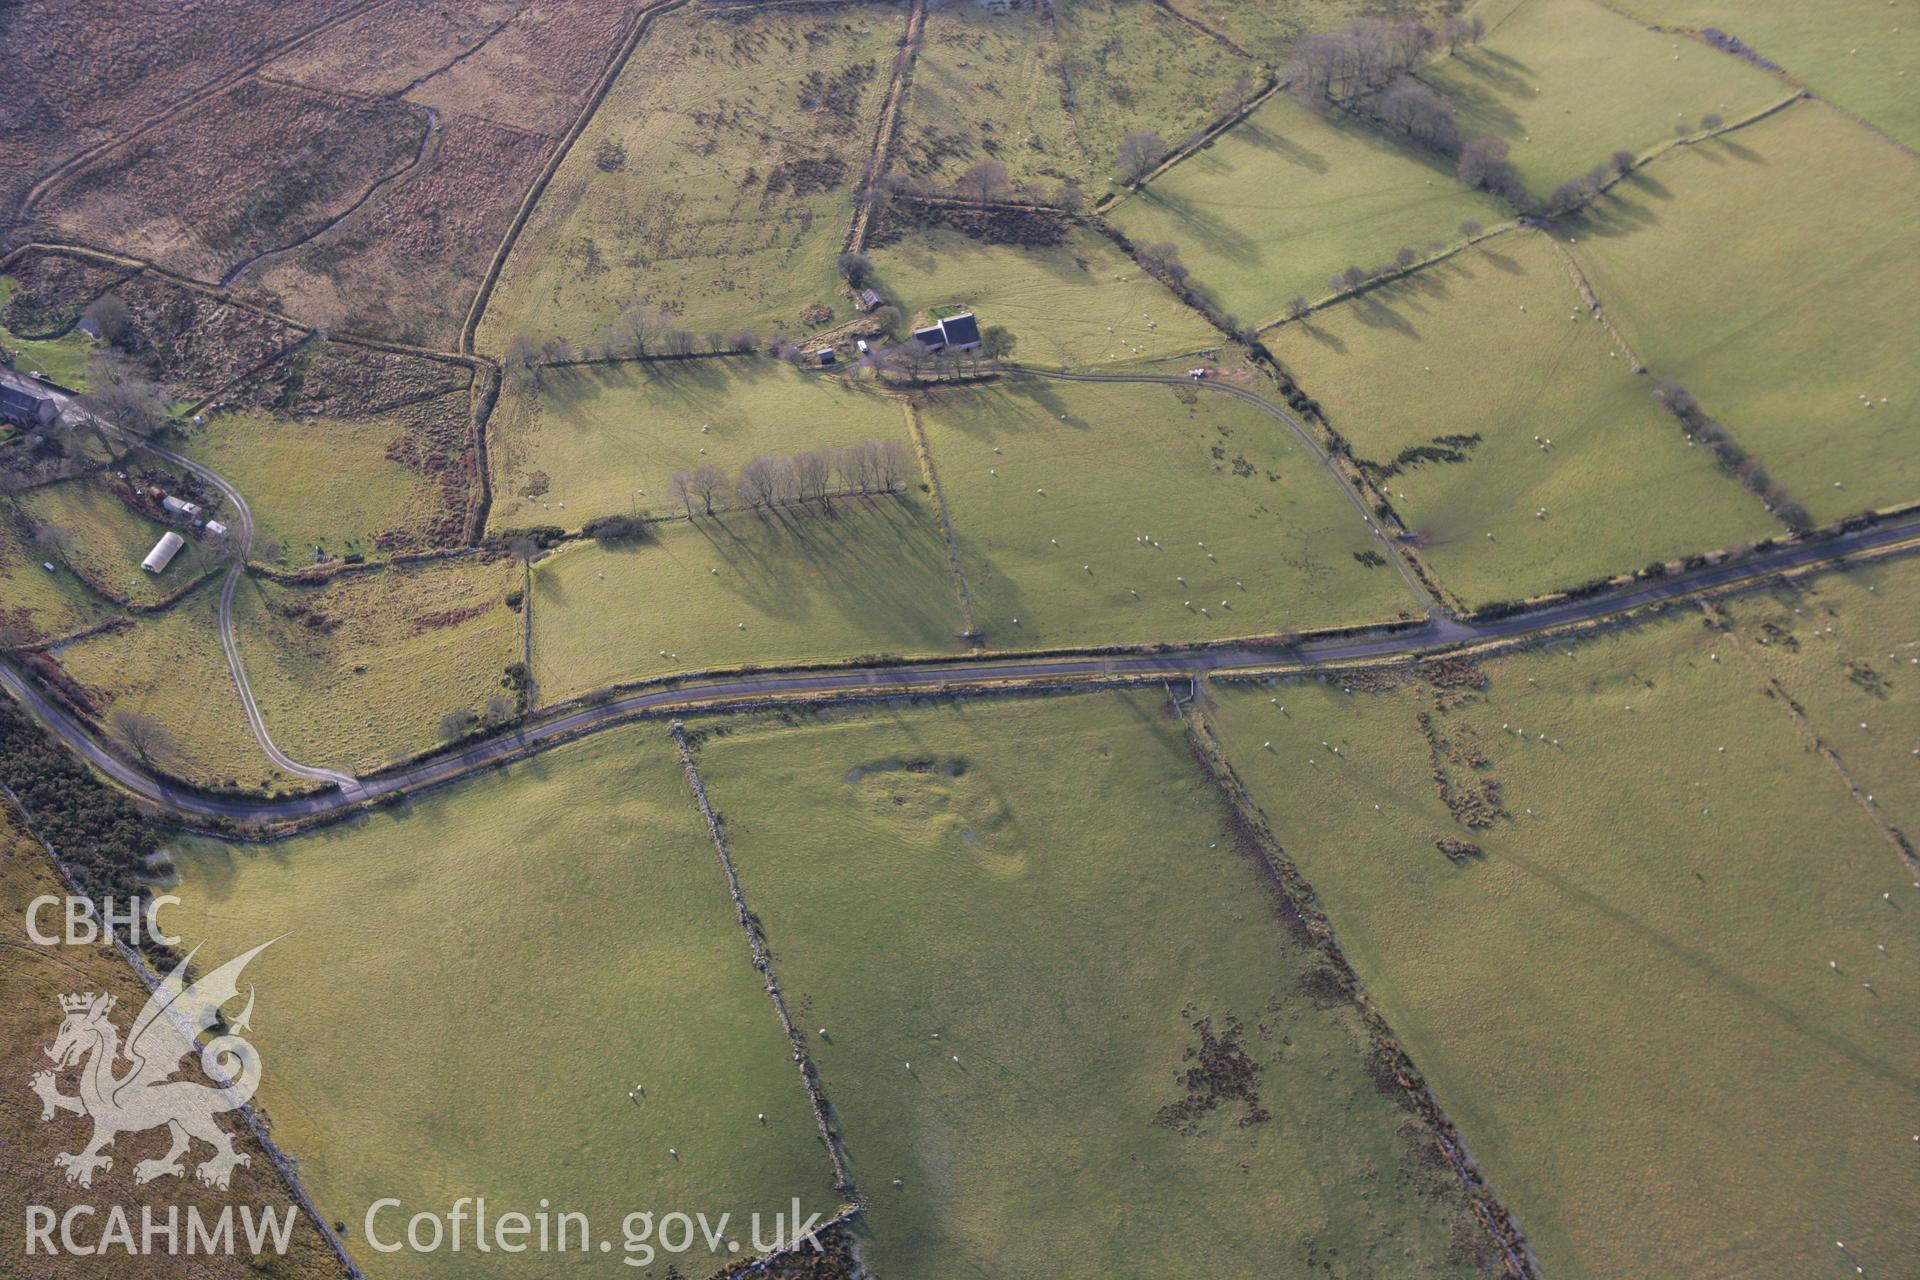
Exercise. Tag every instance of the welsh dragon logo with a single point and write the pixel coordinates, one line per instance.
(144, 1095)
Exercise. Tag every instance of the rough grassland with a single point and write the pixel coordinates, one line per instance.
(359, 671)
(986, 87)
(1508, 364)
(35, 978)
(1078, 304)
(261, 166)
(1065, 932)
(169, 667)
(592, 439)
(1202, 475)
(35, 604)
(470, 986)
(870, 579)
(312, 482)
(341, 483)
(392, 46)
(1133, 66)
(1776, 273)
(1847, 51)
(1568, 82)
(1626, 1003)
(1293, 196)
(407, 264)
(1267, 31)
(106, 541)
(735, 144)
(1846, 648)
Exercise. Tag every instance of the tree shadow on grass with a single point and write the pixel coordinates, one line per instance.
(1206, 227)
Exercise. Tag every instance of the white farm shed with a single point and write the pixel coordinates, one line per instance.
(180, 506)
(163, 552)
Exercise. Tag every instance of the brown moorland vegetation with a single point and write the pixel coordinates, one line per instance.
(140, 57)
(407, 264)
(259, 167)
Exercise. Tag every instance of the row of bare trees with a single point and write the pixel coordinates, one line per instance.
(787, 480)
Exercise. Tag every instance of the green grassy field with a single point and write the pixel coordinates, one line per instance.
(1078, 304)
(1850, 52)
(502, 964)
(1774, 273)
(987, 86)
(60, 359)
(170, 668)
(63, 359)
(1846, 649)
(34, 603)
(741, 139)
(1293, 196)
(1569, 82)
(1133, 66)
(317, 481)
(1508, 365)
(1262, 535)
(360, 671)
(1064, 932)
(107, 540)
(607, 438)
(1626, 1004)
(873, 578)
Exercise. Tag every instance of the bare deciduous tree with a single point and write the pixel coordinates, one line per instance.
(122, 395)
(708, 483)
(1139, 151)
(141, 734)
(984, 181)
(813, 475)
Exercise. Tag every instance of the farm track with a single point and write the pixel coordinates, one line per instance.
(877, 160)
(229, 645)
(74, 164)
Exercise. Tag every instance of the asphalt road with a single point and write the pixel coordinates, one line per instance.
(1436, 634)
